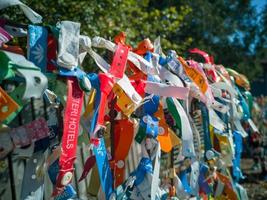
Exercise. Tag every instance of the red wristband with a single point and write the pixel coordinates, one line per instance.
(70, 134)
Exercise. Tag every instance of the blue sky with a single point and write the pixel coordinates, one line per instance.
(259, 4)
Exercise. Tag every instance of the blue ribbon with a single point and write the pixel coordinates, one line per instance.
(103, 167)
(170, 56)
(37, 46)
(205, 120)
(151, 126)
(244, 105)
(223, 116)
(151, 106)
(76, 71)
(100, 152)
(204, 186)
(162, 61)
(68, 191)
(183, 178)
(96, 85)
(238, 151)
(37, 50)
(145, 166)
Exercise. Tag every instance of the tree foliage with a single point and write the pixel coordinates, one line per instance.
(261, 45)
(227, 29)
(107, 18)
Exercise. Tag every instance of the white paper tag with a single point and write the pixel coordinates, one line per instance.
(194, 177)
(179, 188)
(225, 86)
(215, 121)
(219, 107)
(253, 126)
(36, 82)
(240, 128)
(166, 90)
(68, 44)
(155, 178)
(187, 134)
(165, 74)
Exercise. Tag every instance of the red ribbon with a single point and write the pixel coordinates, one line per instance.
(89, 164)
(207, 57)
(107, 81)
(70, 134)
(51, 52)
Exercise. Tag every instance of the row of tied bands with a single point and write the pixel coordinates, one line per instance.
(183, 120)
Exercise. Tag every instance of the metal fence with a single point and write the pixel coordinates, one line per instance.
(13, 167)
